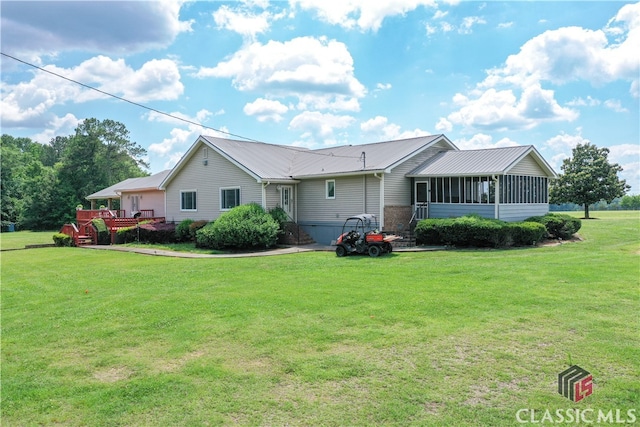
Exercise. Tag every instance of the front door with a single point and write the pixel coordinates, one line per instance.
(286, 199)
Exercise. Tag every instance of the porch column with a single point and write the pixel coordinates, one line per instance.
(497, 198)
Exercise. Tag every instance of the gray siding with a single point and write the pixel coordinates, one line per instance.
(452, 210)
(207, 180)
(315, 207)
(527, 166)
(521, 211)
(397, 187)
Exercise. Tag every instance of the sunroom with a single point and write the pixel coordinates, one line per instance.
(508, 183)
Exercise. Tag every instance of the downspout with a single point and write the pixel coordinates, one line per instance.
(264, 194)
(381, 207)
(364, 196)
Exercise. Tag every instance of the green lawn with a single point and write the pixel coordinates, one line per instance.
(448, 338)
(19, 239)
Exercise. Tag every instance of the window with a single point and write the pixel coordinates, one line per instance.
(229, 198)
(330, 185)
(188, 200)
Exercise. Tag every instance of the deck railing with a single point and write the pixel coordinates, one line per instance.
(87, 215)
(421, 211)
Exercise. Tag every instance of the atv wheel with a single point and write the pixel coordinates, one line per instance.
(388, 248)
(341, 251)
(374, 251)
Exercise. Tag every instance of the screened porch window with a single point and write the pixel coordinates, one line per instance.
(468, 189)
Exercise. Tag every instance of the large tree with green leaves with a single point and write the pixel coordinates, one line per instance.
(587, 178)
(43, 183)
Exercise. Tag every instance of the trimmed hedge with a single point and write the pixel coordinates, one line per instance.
(558, 226)
(150, 232)
(473, 230)
(243, 227)
(61, 239)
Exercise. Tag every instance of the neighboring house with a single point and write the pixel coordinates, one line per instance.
(135, 195)
(423, 177)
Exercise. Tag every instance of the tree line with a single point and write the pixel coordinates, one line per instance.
(41, 184)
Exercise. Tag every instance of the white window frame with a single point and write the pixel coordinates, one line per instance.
(222, 190)
(195, 192)
(326, 189)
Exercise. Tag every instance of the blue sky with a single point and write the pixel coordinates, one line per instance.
(317, 73)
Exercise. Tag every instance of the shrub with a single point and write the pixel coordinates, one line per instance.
(243, 227)
(558, 226)
(61, 239)
(280, 216)
(103, 233)
(150, 232)
(526, 233)
(473, 230)
(183, 233)
(195, 226)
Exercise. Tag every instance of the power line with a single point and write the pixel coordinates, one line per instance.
(126, 100)
(155, 110)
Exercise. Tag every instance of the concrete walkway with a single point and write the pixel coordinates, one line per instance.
(270, 252)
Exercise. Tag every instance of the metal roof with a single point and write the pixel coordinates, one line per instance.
(144, 183)
(478, 162)
(346, 159)
(279, 162)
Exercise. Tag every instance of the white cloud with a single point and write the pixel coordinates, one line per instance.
(481, 141)
(179, 136)
(363, 14)
(383, 86)
(582, 102)
(505, 24)
(28, 102)
(242, 21)
(306, 67)
(57, 126)
(380, 127)
(615, 105)
(468, 22)
(444, 125)
(556, 56)
(113, 27)
(316, 123)
(501, 110)
(565, 142)
(266, 109)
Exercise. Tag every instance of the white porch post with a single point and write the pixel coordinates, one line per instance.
(497, 198)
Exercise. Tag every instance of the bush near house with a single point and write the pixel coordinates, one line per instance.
(150, 232)
(186, 229)
(473, 230)
(558, 226)
(243, 227)
(61, 239)
(182, 230)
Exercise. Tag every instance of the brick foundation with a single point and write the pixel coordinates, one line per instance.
(396, 218)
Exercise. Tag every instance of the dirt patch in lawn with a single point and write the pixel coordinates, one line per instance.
(113, 374)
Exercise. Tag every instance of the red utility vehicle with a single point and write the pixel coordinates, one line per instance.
(360, 235)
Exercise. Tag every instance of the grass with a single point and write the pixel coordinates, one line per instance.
(438, 338)
(20, 239)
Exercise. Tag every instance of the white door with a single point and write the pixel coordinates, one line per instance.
(286, 199)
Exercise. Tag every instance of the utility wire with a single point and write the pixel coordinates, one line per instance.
(158, 111)
(126, 100)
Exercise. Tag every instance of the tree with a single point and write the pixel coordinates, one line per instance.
(630, 202)
(588, 178)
